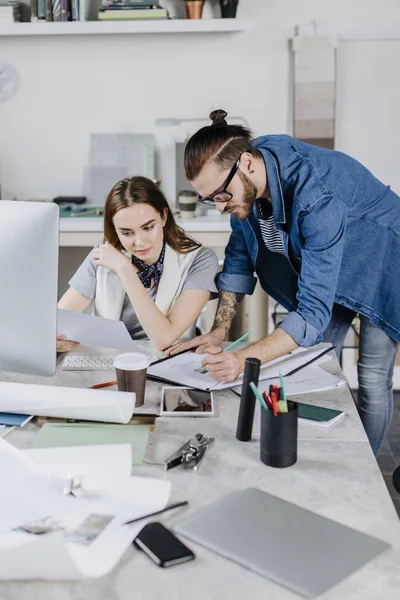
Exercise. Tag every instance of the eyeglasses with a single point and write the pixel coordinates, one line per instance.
(221, 195)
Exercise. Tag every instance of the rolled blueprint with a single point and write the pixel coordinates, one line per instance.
(66, 402)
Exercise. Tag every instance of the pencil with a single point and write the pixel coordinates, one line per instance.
(101, 385)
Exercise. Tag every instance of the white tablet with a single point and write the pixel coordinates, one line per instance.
(186, 402)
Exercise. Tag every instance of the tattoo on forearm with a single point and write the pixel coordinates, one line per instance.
(228, 305)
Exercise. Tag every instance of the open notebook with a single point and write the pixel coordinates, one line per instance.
(181, 369)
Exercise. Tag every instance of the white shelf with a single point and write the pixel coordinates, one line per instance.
(127, 27)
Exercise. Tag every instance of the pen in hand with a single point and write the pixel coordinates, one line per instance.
(229, 347)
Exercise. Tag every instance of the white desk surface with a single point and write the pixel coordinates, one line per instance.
(336, 475)
(208, 223)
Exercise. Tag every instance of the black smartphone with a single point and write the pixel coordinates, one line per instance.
(162, 545)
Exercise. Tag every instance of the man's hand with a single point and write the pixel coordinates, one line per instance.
(64, 345)
(109, 257)
(223, 367)
(210, 343)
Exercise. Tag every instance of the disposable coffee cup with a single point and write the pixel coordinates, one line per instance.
(187, 204)
(131, 369)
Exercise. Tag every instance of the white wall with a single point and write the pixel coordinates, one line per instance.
(72, 86)
(368, 123)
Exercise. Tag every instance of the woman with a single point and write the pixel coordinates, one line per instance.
(323, 236)
(148, 273)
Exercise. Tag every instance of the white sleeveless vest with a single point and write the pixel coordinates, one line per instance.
(110, 292)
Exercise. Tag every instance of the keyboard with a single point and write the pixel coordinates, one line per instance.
(88, 363)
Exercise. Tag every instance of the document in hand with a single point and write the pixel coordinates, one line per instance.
(66, 402)
(181, 369)
(94, 331)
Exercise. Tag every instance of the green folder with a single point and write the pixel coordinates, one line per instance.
(54, 435)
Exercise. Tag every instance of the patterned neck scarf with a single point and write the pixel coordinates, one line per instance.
(148, 272)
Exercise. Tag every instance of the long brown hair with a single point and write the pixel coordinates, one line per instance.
(219, 142)
(140, 190)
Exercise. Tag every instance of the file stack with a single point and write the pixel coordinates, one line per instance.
(10, 11)
(126, 10)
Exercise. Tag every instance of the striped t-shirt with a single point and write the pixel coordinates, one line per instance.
(270, 234)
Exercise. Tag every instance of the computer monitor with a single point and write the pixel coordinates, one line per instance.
(28, 288)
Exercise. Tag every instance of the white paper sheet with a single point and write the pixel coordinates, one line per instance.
(66, 402)
(94, 331)
(309, 379)
(28, 491)
(49, 557)
(113, 460)
(181, 369)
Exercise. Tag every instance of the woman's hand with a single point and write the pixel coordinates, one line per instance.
(109, 257)
(64, 345)
(209, 342)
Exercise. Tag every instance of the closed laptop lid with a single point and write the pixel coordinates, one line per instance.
(290, 545)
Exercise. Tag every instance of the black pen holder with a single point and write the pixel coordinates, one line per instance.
(278, 441)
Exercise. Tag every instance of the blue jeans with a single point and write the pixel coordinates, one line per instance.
(377, 356)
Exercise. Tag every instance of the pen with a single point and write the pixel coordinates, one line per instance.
(267, 400)
(157, 512)
(274, 402)
(229, 347)
(101, 385)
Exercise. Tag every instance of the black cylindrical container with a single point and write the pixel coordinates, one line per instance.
(247, 400)
(228, 8)
(278, 441)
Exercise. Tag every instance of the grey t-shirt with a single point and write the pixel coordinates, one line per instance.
(201, 276)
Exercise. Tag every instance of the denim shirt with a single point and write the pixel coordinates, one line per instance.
(341, 232)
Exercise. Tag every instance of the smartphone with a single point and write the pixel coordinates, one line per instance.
(162, 545)
(187, 402)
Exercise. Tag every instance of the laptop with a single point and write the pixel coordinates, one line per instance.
(281, 541)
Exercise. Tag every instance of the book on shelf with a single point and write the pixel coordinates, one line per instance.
(133, 5)
(135, 15)
(49, 10)
(121, 10)
(10, 12)
(56, 10)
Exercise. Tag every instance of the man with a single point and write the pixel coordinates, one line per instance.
(323, 236)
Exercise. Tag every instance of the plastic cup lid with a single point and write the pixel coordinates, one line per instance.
(132, 361)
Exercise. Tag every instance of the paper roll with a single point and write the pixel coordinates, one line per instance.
(66, 402)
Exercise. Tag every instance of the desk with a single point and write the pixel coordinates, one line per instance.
(336, 476)
(212, 231)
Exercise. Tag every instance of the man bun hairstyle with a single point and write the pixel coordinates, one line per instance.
(219, 143)
(218, 118)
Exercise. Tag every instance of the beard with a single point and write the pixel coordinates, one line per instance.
(243, 210)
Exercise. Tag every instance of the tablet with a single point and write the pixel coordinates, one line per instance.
(186, 402)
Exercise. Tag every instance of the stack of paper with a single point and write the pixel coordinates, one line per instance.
(32, 489)
(89, 434)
